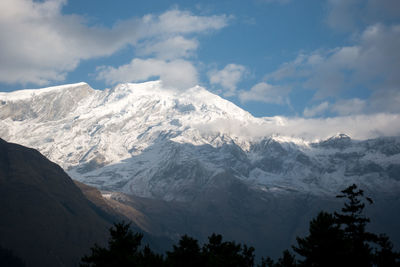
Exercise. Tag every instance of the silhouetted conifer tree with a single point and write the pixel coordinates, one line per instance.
(353, 222)
(325, 245)
(218, 253)
(123, 250)
(212, 254)
(186, 253)
(341, 239)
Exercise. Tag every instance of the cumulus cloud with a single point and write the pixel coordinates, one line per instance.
(372, 63)
(267, 93)
(45, 44)
(182, 22)
(164, 40)
(228, 77)
(179, 74)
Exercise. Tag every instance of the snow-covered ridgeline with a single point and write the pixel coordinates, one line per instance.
(157, 142)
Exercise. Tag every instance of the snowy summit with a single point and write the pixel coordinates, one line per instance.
(162, 143)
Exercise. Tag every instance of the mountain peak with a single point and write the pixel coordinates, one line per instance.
(154, 96)
(46, 104)
(339, 141)
(341, 136)
(25, 94)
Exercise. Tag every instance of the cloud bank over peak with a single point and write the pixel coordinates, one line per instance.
(177, 74)
(356, 126)
(360, 127)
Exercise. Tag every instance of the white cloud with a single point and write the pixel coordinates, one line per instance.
(40, 44)
(179, 74)
(228, 77)
(164, 39)
(267, 93)
(316, 110)
(373, 63)
(357, 127)
(182, 22)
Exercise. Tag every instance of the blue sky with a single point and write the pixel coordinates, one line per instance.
(293, 58)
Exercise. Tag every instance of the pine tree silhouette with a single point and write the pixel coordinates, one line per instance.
(325, 245)
(341, 239)
(123, 250)
(186, 253)
(218, 253)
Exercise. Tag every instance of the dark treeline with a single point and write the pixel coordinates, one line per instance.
(335, 239)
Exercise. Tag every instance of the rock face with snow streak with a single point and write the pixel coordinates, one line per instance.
(150, 141)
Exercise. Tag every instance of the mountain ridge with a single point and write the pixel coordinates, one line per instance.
(146, 140)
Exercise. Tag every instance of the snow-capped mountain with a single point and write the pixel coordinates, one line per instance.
(151, 141)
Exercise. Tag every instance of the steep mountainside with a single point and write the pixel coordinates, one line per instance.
(149, 141)
(45, 219)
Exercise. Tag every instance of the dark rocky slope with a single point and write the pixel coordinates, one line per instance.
(44, 217)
